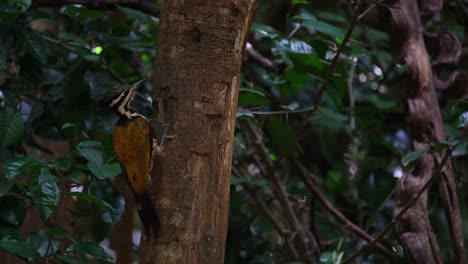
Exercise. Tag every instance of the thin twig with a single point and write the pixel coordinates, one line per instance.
(265, 164)
(390, 225)
(334, 62)
(306, 176)
(269, 216)
(259, 58)
(352, 119)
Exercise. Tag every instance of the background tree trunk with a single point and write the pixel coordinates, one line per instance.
(197, 79)
(426, 129)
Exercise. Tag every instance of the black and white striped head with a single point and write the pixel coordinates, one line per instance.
(120, 97)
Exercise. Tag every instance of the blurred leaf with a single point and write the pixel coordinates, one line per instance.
(412, 156)
(35, 44)
(323, 27)
(69, 259)
(135, 14)
(93, 249)
(41, 242)
(106, 192)
(25, 165)
(10, 233)
(264, 30)
(460, 149)
(90, 198)
(281, 134)
(299, 2)
(105, 171)
(63, 163)
(12, 211)
(11, 127)
(19, 248)
(5, 188)
(89, 150)
(21, 5)
(336, 182)
(73, 10)
(44, 192)
(99, 83)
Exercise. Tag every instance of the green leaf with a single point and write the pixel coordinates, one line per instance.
(44, 192)
(412, 156)
(63, 163)
(11, 233)
(67, 125)
(25, 165)
(90, 151)
(90, 198)
(460, 149)
(105, 171)
(300, 2)
(106, 192)
(69, 259)
(11, 127)
(135, 14)
(35, 45)
(5, 188)
(12, 211)
(19, 248)
(309, 20)
(40, 240)
(21, 5)
(281, 134)
(93, 249)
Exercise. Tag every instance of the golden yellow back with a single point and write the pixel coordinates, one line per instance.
(133, 144)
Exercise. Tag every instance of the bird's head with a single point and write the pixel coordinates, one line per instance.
(118, 98)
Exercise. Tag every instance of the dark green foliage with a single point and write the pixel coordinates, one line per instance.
(55, 68)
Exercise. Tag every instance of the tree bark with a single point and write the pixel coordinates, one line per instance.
(426, 128)
(200, 46)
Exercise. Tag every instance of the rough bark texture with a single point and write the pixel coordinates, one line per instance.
(197, 78)
(426, 128)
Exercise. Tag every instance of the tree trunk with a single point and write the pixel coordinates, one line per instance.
(197, 81)
(426, 128)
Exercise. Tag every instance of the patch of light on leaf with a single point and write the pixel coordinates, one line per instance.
(78, 188)
(377, 71)
(145, 58)
(25, 109)
(382, 89)
(463, 119)
(296, 46)
(362, 77)
(374, 86)
(329, 55)
(97, 50)
(397, 172)
(106, 244)
(136, 237)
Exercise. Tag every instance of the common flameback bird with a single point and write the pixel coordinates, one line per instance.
(134, 144)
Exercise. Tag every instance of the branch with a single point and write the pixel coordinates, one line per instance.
(389, 226)
(269, 216)
(262, 158)
(306, 177)
(259, 58)
(140, 5)
(334, 62)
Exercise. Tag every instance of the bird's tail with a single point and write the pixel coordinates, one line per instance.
(149, 216)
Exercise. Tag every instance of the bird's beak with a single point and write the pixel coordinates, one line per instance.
(137, 84)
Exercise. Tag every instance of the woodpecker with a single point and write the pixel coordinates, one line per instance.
(134, 144)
